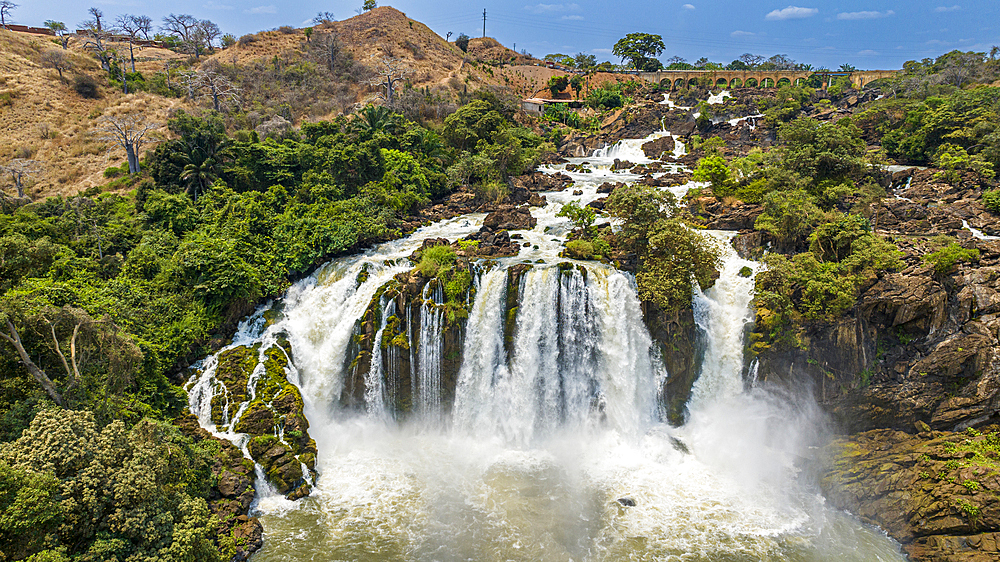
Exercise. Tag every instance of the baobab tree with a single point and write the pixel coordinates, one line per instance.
(97, 38)
(6, 7)
(133, 27)
(193, 34)
(20, 169)
(209, 82)
(389, 71)
(129, 132)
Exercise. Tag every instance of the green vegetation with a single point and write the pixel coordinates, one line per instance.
(640, 49)
(70, 490)
(991, 200)
(948, 257)
(104, 297)
(671, 255)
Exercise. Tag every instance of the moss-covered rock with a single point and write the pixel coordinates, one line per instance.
(938, 493)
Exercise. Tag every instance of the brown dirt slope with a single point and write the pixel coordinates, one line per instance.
(44, 119)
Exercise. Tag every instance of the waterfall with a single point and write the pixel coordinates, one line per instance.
(429, 355)
(535, 432)
(723, 313)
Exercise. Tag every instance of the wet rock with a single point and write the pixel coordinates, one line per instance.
(248, 536)
(938, 493)
(537, 181)
(609, 187)
(619, 165)
(626, 502)
(654, 149)
(510, 218)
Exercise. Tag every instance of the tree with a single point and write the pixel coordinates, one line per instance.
(6, 7)
(54, 58)
(959, 68)
(59, 28)
(847, 67)
(751, 60)
(389, 71)
(97, 38)
(324, 17)
(462, 42)
(639, 49)
(193, 34)
(369, 5)
(132, 27)
(129, 132)
(584, 61)
(13, 337)
(20, 169)
(97, 15)
(557, 84)
(212, 83)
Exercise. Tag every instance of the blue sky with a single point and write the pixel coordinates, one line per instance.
(866, 33)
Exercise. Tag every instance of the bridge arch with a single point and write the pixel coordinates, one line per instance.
(678, 84)
(783, 82)
(722, 82)
(692, 83)
(767, 82)
(751, 83)
(736, 83)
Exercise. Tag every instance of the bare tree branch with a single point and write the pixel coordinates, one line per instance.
(14, 338)
(389, 71)
(129, 132)
(19, 169)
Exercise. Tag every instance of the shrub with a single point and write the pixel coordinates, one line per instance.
(462, 42)
(247, 39)
(286, 29)
(433, 259)
(86, 86)
(580, 249)
(582, 217)
(607, 97)
(946, 258)
(991, 200)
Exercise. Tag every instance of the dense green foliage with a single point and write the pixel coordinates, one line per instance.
(947, 257)
(70, 490)
(640, 49)
(914, 130)
(671, 256)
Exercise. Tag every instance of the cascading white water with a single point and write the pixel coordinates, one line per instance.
(554, 427)
(723, 313)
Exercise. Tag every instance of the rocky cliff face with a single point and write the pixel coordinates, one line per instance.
(919, 345)
(935, 491)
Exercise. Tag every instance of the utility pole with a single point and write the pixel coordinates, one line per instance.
(484, 22)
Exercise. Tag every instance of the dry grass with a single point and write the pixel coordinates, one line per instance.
(47, 119)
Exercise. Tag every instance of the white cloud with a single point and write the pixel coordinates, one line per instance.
(602, 51)
(688, 6)
(573, 17)
(864, 15)
(867, 53)
(948, 8)
(269, 9)
(791, 13)
(739, 33)
(211, 5)
(552, 8)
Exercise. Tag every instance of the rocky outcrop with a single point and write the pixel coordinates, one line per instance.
(681, 347)
(655, 149)
(509, 217)
(938, 493)
(272, 417)
(238, 534)
(918, 346)
(538, 181)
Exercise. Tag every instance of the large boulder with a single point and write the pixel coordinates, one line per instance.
(510, 218)
(654, 149)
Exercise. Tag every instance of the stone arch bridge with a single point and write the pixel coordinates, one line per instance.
(756, 78)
